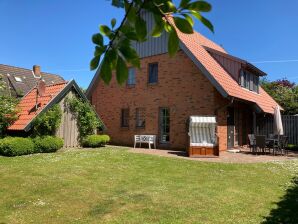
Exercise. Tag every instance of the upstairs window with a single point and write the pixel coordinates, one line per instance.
(140, 117)
(249, 81)
(125, 118)
(131, 81)
(153, 73)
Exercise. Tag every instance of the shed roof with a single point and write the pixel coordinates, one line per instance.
(27, 105)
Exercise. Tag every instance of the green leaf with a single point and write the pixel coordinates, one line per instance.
(189, 19)
(99, 50)
(205, 21)
(94, 63)
(113, 22)
(121, 71)
(173, 44)
(201, 6)
(130, 55)
(184, 3)
(112, 56)
(106, 71)
(157, 30)
(105, 30)
(168, 27)
(132, 14)
(183, 25)
(97, 39)
(171, 7)
(141, 28)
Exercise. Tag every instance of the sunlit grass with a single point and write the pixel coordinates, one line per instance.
(111, 185)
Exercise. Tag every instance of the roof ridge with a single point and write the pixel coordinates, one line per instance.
(13, 66)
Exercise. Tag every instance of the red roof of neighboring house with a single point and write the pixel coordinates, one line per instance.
(194, 45)
(27, 105)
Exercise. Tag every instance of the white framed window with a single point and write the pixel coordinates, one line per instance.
(131, 77)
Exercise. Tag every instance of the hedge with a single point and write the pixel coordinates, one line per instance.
(292, 147)
(94, 141)
(47, 144)
(16, 146)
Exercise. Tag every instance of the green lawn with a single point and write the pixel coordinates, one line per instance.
(112, 185)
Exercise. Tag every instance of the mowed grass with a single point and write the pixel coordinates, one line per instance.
(112, 185)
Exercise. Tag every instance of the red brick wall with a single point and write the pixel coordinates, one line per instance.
(181, 87)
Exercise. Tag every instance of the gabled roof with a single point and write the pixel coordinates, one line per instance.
(27, 105)
(194, 45)
(53, 94)
(19, 89)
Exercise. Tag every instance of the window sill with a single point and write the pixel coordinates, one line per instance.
(124, 128)
(140, 127)
(130, 86)
(152, 84)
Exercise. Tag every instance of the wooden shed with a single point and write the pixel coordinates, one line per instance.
(34, 103)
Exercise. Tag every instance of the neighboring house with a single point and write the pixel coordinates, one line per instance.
(19, 81)
(202, 79)
(54, 94)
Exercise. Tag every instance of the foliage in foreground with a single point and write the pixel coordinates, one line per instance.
(284, 92)
(95, 141)
(17, 146)
(168, 16)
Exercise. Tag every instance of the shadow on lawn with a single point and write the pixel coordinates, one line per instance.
(287, 209)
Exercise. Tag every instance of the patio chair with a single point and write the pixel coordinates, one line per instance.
(252, 142)
(284, 144)
(261, 143)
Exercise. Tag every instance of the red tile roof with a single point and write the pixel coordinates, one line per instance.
(27, 105)
(195, 44)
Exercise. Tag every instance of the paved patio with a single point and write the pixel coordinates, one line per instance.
(225, 157)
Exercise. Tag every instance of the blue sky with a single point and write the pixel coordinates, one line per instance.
(56, 34)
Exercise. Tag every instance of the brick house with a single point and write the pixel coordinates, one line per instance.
(202, 79)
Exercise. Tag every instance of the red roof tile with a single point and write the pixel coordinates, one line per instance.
(27, 105)
(195, 43)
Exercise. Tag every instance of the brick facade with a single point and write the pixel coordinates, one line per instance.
(181, 87)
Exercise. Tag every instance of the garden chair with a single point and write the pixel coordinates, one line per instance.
(252, 142)
(261, 143)
(284, 144)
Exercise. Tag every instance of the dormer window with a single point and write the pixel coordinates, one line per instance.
(249, 81)
(18, 79)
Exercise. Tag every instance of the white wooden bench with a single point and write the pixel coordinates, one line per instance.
(149, 139)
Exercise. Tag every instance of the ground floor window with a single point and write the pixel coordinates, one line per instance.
(125, 118)
(140, 117)
(164, 125)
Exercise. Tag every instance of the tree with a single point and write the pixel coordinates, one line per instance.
(284, 92)
(168, 16)
(8, 109)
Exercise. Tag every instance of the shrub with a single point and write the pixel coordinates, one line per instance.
(94, 141)
(292, 147)
(16, 146)
(47, 144)
(47, 123)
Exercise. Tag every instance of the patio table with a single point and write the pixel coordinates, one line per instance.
(272, 143)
